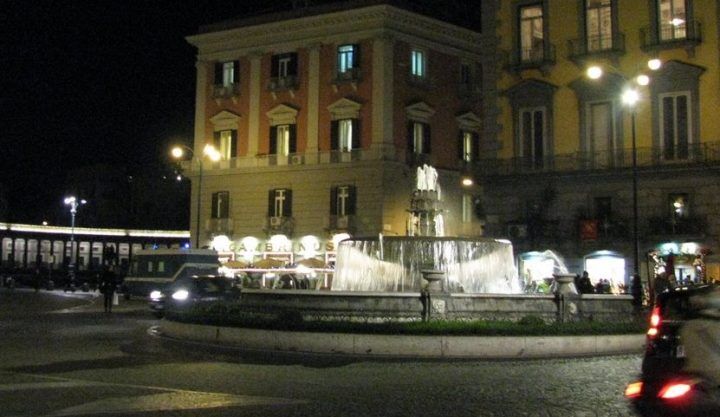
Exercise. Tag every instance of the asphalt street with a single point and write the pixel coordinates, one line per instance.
(61, 355)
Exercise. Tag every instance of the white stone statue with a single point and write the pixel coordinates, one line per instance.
(439, 225)
(421, 180)
(411, 225)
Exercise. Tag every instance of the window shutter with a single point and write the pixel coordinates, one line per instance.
(233, 143)
(410, 136)
(334, 135)
(215, 198)
(461, 145)
(274, 66)
(271, 203)
(236, 72)
(475, 146)
(224, 208)
(351, 202)
(293, 138)
(333, 201)
(287, 204)
(426, 138)
(216, 140)
(355, 133)
(293, 65)
(356, 56)
(218, 73)
(273, 140)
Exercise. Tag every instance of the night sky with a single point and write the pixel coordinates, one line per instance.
(99, 82)
(94, 82)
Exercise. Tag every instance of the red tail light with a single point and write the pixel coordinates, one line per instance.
(675, 390)
(655, 320)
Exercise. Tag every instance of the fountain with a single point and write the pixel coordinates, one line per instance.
(396, 264)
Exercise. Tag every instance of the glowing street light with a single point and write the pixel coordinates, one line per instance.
(178, 152)
(73, 202)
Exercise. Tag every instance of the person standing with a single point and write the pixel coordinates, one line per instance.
(107, 287)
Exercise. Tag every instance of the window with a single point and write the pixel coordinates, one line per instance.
(220, 205)
(226, 143)
(678, 205)
(532, 136)
(675, 125)
(283, 140)
(283, 71)
(280, 203)
(419, 138)
(227, 73)
(348, 59)
(531, 33)
(672, 19)
(343, 200)
(467, 208)
(345, 135)
(598, 24)
(600, 133)
(469, 146)
(417, 63)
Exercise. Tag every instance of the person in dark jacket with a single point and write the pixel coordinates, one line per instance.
(107, 287)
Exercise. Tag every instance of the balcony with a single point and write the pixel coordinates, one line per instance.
(538, 57)
(696, 155)
(342, 223)
(351, 75)
(668, 36)
(226, 91)
(288, 82)
(219, 226)
(597, 47)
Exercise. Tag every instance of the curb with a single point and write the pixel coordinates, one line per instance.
(459, 347)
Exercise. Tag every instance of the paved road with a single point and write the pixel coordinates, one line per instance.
(62, 356)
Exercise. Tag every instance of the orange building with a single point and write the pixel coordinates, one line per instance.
(321, 116)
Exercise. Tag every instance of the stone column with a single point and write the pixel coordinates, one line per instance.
(313, 101)
(201, 90)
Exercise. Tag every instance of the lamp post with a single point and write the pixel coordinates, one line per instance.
(73, 202)
(209, 151)
(630, 97)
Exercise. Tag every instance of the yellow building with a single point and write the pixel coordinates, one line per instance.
(319, 118)
(559, 172)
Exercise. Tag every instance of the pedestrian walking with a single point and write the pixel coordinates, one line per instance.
(107, 287)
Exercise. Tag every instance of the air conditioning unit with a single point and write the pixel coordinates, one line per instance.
(342, 222)
(517, 230)
(296, 159)
(275, 221)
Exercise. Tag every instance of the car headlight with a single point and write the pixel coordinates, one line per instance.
(181, 295)
(156, 295)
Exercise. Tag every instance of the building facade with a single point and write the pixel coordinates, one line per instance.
(320, 118)
(575, 168)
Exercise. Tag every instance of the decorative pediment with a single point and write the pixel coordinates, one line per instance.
(530, 87)
(469, 122)
(674, 69)
(420, 112)
(344, 109)
(282, 115)
(225, 120)
(609, 85)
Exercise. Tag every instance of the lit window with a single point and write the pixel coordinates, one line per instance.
(417, 66)
(225, 144)
(419, 138)
(280, 203)
(672, 18)
(532, 42)
(679, 205)
(342, 200)
(345, 132)
(598, 16)
(347, 58)
(228, 74)
(283, 140)
(468, 146)
(220, 205)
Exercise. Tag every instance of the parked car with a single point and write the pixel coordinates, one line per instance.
(192, 291)
(665, 387)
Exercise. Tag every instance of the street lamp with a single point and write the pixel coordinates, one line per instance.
(178, 152)
(73, 203)
(630, 98)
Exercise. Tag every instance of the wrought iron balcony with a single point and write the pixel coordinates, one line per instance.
(597, 46)
(536, 57)
(669, 35)
(226, 91)
(698, 154)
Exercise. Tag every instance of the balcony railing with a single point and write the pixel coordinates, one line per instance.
(597, 45)
(693, 154)
(535, 57)
(226, 91)
(670, 35)
(288, 82)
